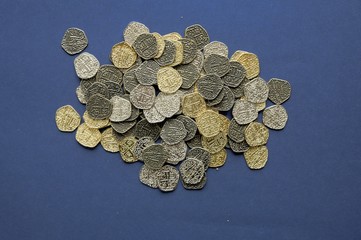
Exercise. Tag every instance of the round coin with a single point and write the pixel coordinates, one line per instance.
(67, 119)
(275, 117)
(74, 41)
(209, 86)
(154, 156)
(86, 65)
(168, 79)
(87, 137)
(192, 170)
(216, 64)
(256, 134)
(168, 177)
(256, 157)
(197, 33)
(244, 112)
(279, 90)
(123, 55)
(145, 45)
(173, 131)
(98, 107)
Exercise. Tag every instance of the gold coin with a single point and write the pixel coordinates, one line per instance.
(208, 123)
(249, 61)
(193, 104)
(88, 137)
(126, 148)
(256, 157)
(95, 123)
(218, 159)
(256, 134)
(67, 119)
(109, 141)
(178, 53)
(123, 55)
(160, 44)
(173, 36)
(169, 80)
(260, 106)
(225, 123)
(216, 143)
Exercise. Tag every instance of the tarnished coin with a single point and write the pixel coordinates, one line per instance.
(152, 115)
(217, 100)
(197, 33)
(189, 50)
(227, 101)
(275, 117)
(218, 159)
(141, 144)
(133, 30)
(178, 53)
(167, 104)
(67, 119)
(123, 127)
(176, 152)
(168, 56)
(95, 123)
(215, 47)
(249, 61)
(146, 73)
(145, 45)
(173, 36)
(236, 131)
(126, 149)
(148, 177)
(197, 186)
(189, 74)
(80, 94)
(154, 156)
(169, 80)
(173, 131)
(256, 134)
(109, 141)
(201, 154)
(193, 104)
(121, 109)
(168, 177)
(216, 143)
(86, 83)
(279, 90)
(145, 129)
(114, 88)
(86, 65)
(198, 61)
(235, 75)
(160, 44)
(209, 86)
(256, 91)
(240, 147)
(192, 170)
(142, 97)
(98, 107)
(190, 126)
(134, 112)
(208, 123)
(97, 88)
(74, 41)
(256, 157)
(195, 141)
(123, 55)
(87, 137)
(244, 112)
(109, 73)
(130, 80)
(216, 64)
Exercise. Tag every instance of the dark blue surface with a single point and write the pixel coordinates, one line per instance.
(52, 188)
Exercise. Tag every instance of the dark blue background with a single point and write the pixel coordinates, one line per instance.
(52, 188)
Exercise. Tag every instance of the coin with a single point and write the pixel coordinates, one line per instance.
(218, 159)
(256, 157)
(130, 80)
(190, 126)
(121, 109)
(146, 73)
(86, 83)
(134, 111)
(209, 86)
(160, 44)
(201, 154)
(173, 36)
(173, 131)
(98, 107)
(168, 55)
(195, 141)
(126, 149)
(176, 152)
(123, 127)
(193, 104)
(217, 100)
(216, 64)
(240, 147)
(279, 90)
(109, 141)
(86, 65)
(189, 74)
(114, 88)
(109, 73)
(67, 119)
(198, 61)
(216, 143)
(148, 176)
(80, 95)
(152, 115)
(169, 80)
(189, 50)
(74, 41)
(145, 45)
(87, 137)
(256, 134)
(236, 131)
(197, 186)
(123, 55)
(256, 91)
(178, 54)
(225, 123)
(154, 156)
(275, 117)
(197, 33)
(97, 88)
(191, 170)
(167, 104)
(235, 75)
(140, 145)
(168, 177)
(142, 97)
(95, 123)
(133, 30)
(244, 112)
(208, 123)
(145, 129)
(249, 61)
(215, 47)
(227, 101)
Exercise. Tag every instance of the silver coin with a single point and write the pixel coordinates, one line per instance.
(236, 131)
(152, 115)
(279, 90)
(168, 177)
(142, 97)
(122, 109)
(209, 86)
(197, 186)
(74, 41)
(217, 100)
(145, 129)
(176, 152)
(168, 56)
(215, 47)
(235, 75)
(146, 46)
(146, 73)
(167, 104)
(86, 83)
(114, 88)
(227, 101)
(198, 61)
(154, 156)
(133, 30)
(192, 171)
(123, 127)
(200, 154)
(275, 117)
(236, 147)
(216, 64)
(256, 91)
(190, 125)
(98, 107)
(173, 131)
(134, 111)
(244, 112)
(80, 95)
(148, 176)
(109, 73)
(189, 50)
(97, 88)
(141, 144)
(196, 141)
(86, 65)
(197, 33)
(130, 80)
(189, 74)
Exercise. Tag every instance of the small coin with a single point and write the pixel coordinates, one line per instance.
(141, 144)
(86, 65)
(146, 73)
(160, 44)
(146, 46)
(173, 131)
(114, 88)
(195, 141)
(256, 157)
(227, 101)
(86, 83)
(225, 123)
(123, 55)
(109, 141)
(216, 64)
(74, 41)
(178, 53)
(201, 154)
(133, 30)
(209, 124)
(98, 107)
(193, 104)
(148, 177)
(209, 86)
(256, 134)
(256, 91)
(122, 109)
(168, 177)
(192, 171)
(126, 149)
(217, 100)
(97, 88)
(190, 126)
(168, 56)
(275, 117)
(67, 119)
(173, 36)
(249, 61)
(134, 112)
(236, 131)
(197, 186)
(176, 152)
(244, 112)
(240, 147)
(130, 80)
(168, 79)
(216, 143)
(197, 33)
(154, 156)
(235, 75)
(145, 129)
(189, 50)
(142, 97)
(95, 123)
(152, 115)
(215, 47)
(167, 104)
(198, 61)
(80, 94)
(189, 74)
(279, 90)
(123, 127)
(87, 137)
(218, 159)
(109, 73)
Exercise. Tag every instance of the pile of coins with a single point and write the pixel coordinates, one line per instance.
(178, 89)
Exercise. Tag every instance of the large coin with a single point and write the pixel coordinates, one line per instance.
(218, 159)
(216, 47)
(244, 112)
(275, 117)
(256, 134)
(193, 104)
(148, 176)
(146, 73)
(256, 157)
(146, 129)
(123, 55)
(98, 107)
(74, 41)
(173, 131)
(190, 125)
(201, 154)
(168, 177)
(169, 80)
(235, 75)
(142, 97)
(209, 86)
(249, 61)
(279, 90)
(87, 137)
(168, 56)
(133, 30)
(141, 144)
(126, 149)
(109, 73)
(189, 74)
(86, 65)
(109, 141)
(154, 156)
(189, 50)
(122, 109)
(208, 123)
(146, 46)
(216, 64)
(197, 33)
(256, 91)
(67, 119)
(167, 104)
(192, 170)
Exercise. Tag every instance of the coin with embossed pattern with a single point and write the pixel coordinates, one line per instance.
(189, 50)
(216, 47)
(249, 61)
(227, 101)
(244, 112)
(218, 159)
(167, 104)
(126, 149)
(97, 88)
(130, 80)
(256, 134)
(145, 129)
(279, 90)
(235, 75)
(209, 86)
(216, 64)
(198, 61)
(178, 53)
(152, 114)
(160, 44)
(236, 147)
(154, 156)
(236, 131)
(95, 123)
(208, 123)
(86, 65)
(197, 33)
(141, 144)
(176, 152)
(122, 109)
(201, 154)
(196, 141)
(87, 137)
(190, 126)
(74, 41)
(109, 141)
(193, 104)
(168, 177)
(123, 55)
(80, 94)
(197, 186)
(168, 56)
(256, 91)
(67, 119)
(109, 73)
(173, 131)
(173, 36)
(142, 97)
(146, 73)
(216, 143)
(123, 127)
(256, 157)
(189, 74)
(133, 30)
(145, 45)
(98, 107)
(169, 80)
(148, 176)
(191, 170)
(275, 117)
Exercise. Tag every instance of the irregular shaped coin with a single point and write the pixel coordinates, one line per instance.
(216, 64)
(146, 46)
(192, 170)
(67, 119)
(109, 73)
(249, 61)
(98, 107)
(201, 154)
(256, 134)
(146, 129)
(169, 80)
(218, 159)
(168, 56)
(215, 47)
(256, 91)
(167, 104)
(176, 152)
(74, 41)
(141, 144)
(146, 73)
(109, 141)
(244, 112)
(279, 90)
(209, 86)
(189, 50)
(208, 123)
(256, 157)
(87, 137)
(193, 104)
(148, 176)
(133, 30)
(190, 126)
(197, 33)
(126, 149)
(216, 143)
(122, 109)
(142, 96)
(123, 55)
(173, 131)
(235, 75)
(168, 177)
(189, 74)
(154, 156)
(275, 117)
(86, 65)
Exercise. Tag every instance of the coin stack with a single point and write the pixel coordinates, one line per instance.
(178, 89)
